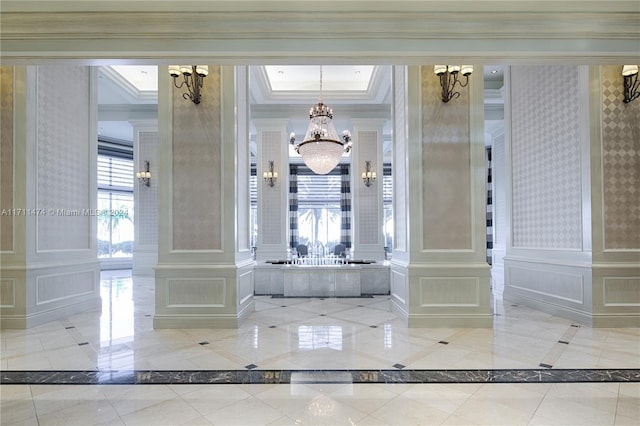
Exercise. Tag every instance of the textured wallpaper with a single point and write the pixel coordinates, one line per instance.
(148, 206)
(621, 163)
(271, 209)
(6, 157)
(197, 188)
(545, 157)
(446, 171)
(63, 166)
(368, 220)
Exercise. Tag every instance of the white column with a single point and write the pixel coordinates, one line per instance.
(441, 278)
(48, 247)
(145, 246)
(273, 207)
(368, 208)
(204, 276)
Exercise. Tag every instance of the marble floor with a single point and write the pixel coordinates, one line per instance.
(312, 361)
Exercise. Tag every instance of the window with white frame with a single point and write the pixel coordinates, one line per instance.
(115, 199)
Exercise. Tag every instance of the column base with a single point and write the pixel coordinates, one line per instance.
(203, 296)
(441, 295)
(36, 295)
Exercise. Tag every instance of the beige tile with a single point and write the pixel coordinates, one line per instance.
(571, 412)
(628, 407)
(407, 411)
(79, 412)
(626, 421)
(249, 411)
(173, 412)
(129, 399)
(488, 411)
(17, 412)
(630, 389)
(325, 410)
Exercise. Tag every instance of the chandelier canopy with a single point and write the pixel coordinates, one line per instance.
(322, 149)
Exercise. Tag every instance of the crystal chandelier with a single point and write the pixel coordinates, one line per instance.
(321, 149)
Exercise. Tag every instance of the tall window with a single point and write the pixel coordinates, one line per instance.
(319, 217)
(115, 200)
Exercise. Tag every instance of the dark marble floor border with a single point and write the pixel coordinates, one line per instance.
(148, 377)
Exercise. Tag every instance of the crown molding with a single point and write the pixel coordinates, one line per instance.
(352, 33)
(128, 90)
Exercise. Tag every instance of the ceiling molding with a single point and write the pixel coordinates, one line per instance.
(341, 6)
(377, 90)
(584, 32)
(126, 88)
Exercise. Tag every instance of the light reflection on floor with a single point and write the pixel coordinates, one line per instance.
(117, 321)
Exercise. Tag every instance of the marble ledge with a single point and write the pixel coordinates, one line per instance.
(204, 377)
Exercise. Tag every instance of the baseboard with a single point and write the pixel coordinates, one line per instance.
(575, 315)
(39, 318)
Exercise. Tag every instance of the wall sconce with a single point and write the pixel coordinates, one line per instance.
(631, 83)
(193, 77)
(368, 177)
(270, 176)
(450, 76)
(145, 175)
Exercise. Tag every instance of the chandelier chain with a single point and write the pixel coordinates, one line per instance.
(320, 83)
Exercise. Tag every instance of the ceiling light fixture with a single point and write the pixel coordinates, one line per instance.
(321, 149)
(450, 76)
(631, 83)
(193, 77)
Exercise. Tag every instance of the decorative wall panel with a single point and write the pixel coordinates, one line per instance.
(271, 211)
(400, 288)
(7, 293)
(6, 158)
(147, 211)
(400, 171)
(551, 284)
(367, 223)
(621, 291)
(445, 164)
(545, 157)
(197, 189)
(63, 166)
(621, 164)
(53, 288)
(449, 292)
(194, 293)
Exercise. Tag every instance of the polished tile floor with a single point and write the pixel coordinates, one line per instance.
(313, 335)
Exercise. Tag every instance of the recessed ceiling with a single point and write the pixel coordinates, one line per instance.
(142, 77)
(307, 77)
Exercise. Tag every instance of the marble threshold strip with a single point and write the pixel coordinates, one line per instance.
(216, 377)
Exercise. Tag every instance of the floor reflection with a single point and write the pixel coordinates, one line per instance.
(319, 336)
(117, 322)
